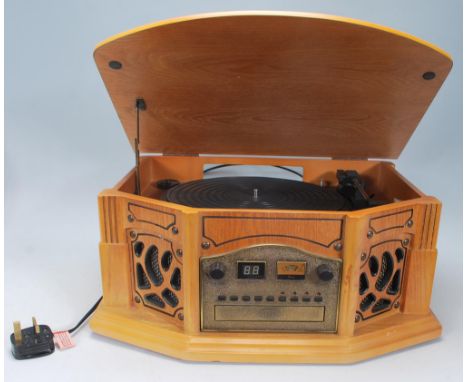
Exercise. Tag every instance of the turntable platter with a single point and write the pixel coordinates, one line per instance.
(256, 193)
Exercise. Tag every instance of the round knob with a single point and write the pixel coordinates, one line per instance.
(324, 272)
(217, 271)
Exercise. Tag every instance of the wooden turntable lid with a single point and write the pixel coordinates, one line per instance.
(271, 83)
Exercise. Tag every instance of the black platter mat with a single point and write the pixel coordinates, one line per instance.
(256, 192)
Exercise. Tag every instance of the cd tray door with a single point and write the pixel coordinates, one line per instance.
(271, 288)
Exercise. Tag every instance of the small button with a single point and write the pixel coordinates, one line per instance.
(245, 298)
(258, 298)
(221, 297)
(282, 298)
(270, 298)
(318, 298)
(294, 299)
(306, 299)
(233, 298)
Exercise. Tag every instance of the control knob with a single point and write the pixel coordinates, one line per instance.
(217, 271)
(324, 272)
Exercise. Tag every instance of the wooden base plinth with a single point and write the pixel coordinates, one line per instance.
(382, 336)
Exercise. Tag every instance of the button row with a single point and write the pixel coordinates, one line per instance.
(317, 298)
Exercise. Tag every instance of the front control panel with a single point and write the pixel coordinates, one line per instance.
(269, 288)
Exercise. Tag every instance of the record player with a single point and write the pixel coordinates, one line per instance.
(332, 263)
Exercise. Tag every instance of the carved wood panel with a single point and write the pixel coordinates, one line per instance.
(315, 233)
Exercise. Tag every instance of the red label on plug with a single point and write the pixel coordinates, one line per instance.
(63, 340)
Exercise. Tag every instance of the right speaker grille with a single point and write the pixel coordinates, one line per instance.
(380, 280)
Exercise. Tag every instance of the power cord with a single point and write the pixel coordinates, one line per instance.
(39, 340)
(85, 317)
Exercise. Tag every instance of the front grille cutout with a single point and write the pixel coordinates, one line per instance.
(152, 266)
(138, 248)
(170, 298)
(394, 286)
(176, 279)
(363, 284)
(155, 300)
(400, 254)
(142, 279)
(380, 305)
(367, 302)
(386, 271)
(373, 265)
(166, 260)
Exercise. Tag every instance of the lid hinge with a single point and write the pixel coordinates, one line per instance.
(140, 104)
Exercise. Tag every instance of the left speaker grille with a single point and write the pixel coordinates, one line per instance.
(157, 273)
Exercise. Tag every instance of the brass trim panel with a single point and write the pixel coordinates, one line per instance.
(269, 313)
(271, 303)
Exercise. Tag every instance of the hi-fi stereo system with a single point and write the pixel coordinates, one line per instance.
(255, 227)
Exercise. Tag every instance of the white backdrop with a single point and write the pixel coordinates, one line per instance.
(64, 144)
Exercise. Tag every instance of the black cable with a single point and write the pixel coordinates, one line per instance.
(290, 170)
(227, 165)
(216, 167)
(86, 316)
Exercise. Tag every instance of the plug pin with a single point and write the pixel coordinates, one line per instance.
(37, 329)
(17, 330)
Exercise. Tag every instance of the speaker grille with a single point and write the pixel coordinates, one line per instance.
(381, 277)
(157, 273)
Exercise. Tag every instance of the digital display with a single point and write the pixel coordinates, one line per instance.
(250, 269)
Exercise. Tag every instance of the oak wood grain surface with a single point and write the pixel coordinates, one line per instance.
(272, 84)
